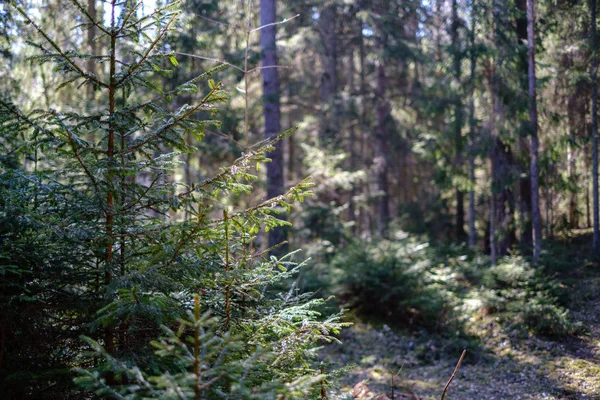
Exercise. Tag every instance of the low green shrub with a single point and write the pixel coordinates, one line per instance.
(519, 296)
(397, 280)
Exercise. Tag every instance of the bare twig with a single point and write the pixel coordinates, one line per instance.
(214, 21)
(393, 379)
(453, 374)
(274, 23)
(209, 59)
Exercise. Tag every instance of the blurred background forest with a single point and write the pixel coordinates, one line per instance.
(452, 145)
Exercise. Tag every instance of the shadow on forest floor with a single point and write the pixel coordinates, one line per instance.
(505, 366)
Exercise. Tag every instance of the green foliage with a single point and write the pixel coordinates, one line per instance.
(442, 288)
(519, 296)
(397, 279)
(101, 240)
(199, 360)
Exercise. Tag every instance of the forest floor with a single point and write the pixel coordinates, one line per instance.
(503, 366)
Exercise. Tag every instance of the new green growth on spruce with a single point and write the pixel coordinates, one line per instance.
(141, 253)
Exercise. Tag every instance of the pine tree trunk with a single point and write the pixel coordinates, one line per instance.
(524, 183)
(458, 123)
(381, 164)
(329, 83)
(351, 145)
(534, 174)
(502, 230)
(473, 60)
(547, 187)
(271, 109)
(594, 72)
(91, 36)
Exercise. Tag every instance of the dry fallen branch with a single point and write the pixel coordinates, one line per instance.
(453, 374)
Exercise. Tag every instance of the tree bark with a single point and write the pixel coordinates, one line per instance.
(501, 159)
(473, 60)
(271, 110)
(534, 171)
(458, 122)
(351, 145)
(91, 36)
(594, 73)
(329, 82)
(381, 164)
(524, 183)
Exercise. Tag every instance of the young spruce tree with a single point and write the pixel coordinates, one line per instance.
(133, 251)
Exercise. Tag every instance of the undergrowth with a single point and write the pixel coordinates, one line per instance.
(447, 291)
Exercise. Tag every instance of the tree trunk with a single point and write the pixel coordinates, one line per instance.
(91, 36)
(472, 231)
(534, 172)
(573, 211)
(502, 198)
(383, 113)
(502, 163)
(351, 145)
(458, 123)
(524, 177)
(329, 83)
(594, 72)
(271, 109)
(547, 187)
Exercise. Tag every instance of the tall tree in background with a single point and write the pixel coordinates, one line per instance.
(381, 163)
(329, 81)
(473, 66)
(524, 180)
(271, 107)
(91, 38)
(501, 156)
(458, 119)
(594, 73)
(534, 171)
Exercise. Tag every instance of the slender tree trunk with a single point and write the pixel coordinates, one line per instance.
(502, 163)
(547, 186)
(351, 146)
(383, 111)
(364, 214)
(91, 36)
(573, 191)
(109, 333)
(329, 82)
(588, 209)
(594, 73)
(524, 183)
(535, 203)
(458, 123)
(472, 231)
(271, 109)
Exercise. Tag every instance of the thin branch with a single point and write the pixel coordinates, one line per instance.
(59, 50)
(92, 20)
(209, 59)
(175, 122)
(128, 16)
(173, 92)
(184, 240)
(274, 23)
(74, 146)
(145, 56)
(219, 22)
(269, 67)
(453, 374)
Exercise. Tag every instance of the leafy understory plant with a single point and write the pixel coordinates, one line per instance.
(155, 260)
